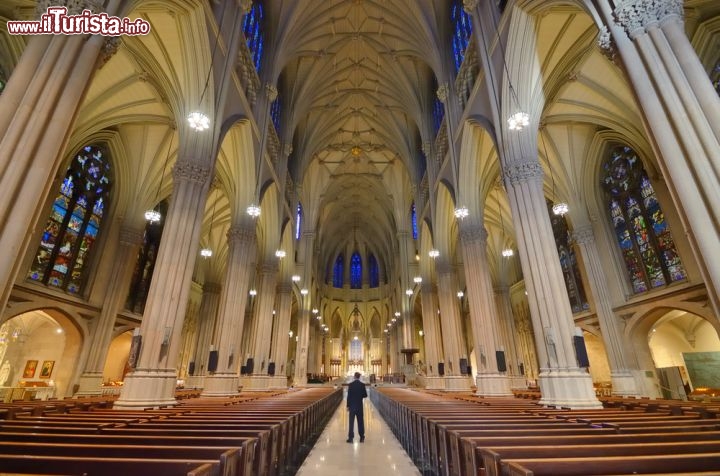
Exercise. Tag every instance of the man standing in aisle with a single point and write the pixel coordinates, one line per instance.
(355, 395)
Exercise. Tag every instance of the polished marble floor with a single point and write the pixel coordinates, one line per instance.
(380, 454)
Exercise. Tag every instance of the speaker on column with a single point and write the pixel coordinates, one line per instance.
(581, 352)
(250, 365)
(500, 357)
(191, 368)
(441, 368)
(213, 361)
(463, 366)
(271, 368)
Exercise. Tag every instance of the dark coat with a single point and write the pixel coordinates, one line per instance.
(356, 393)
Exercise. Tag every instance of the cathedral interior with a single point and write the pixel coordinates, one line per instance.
(455, 195)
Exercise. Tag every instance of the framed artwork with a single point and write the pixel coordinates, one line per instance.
(47, 368)
(30, 367)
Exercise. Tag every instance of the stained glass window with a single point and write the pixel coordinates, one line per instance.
(715, 77)
(568, 263)
(639, 224)
(338, 271)
(413, 220)
(145, 263)
(253, 28)
(74, 222)
(298, 221)
(2, 82)
(374, 271)
(462, 30)
(275, 113)
(355, 271)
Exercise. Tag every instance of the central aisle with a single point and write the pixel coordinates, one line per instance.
(380, 454)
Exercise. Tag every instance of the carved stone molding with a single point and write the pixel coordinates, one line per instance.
(583, 234)
(131, 236)
(271, 91)
(443, 92)
(187, 171)
(74, 7)
(109, 48)
(426, 148)
(470, 6)
(473, 234)
(606, 43)
(522, 172)
(238, 235)
(635, 16)
(287, 149)
(211, 288)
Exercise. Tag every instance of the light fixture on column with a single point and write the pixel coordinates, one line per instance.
(461, 212)
(207, 251)
(417, 279)
(559, 208)
(315, 311)
(409, 292)
(397, 313)
(280, 254)
(198, 121)
(433, 253)
(152, 215)
(393, 319)
(253, 292)
(518, 121)
(421, 333)
(507, 252)
(304, 292)
(417, 255)
(460, 294)
(295, 278)
(290, 334)
(253, 210)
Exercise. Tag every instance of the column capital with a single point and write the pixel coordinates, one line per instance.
(284, 288)
(240, 234)
(191, 171)
(131, 236)
(74, 7)
(635, 16)
(473, 233)
(583, 234)
(526, 170)
(443, 267)
(443, 92)
(470, 6)
(109, 48)
(426, 148)
(271, 91)
(268, 268)
(606, 43)
(212, 288)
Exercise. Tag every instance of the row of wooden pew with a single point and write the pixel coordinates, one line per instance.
(467, 435)
(266, 436)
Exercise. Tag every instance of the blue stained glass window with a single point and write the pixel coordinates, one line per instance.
(254, 34)
(643, 235)
(374, 271)
(338, 271)
(74, 222)
(413, 219)
(462, 30)
(145, 263)
(355, 271)
(298, 221)
(568, 263)
(275, 113)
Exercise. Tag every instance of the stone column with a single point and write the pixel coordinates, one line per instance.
(152, 383)
(280, 335)
(301, 352)
(261, 331)
(623, 381)
(37, 112)
(453, 341)
(206, 325)
(562, 382)
(510, 336)
(432, 337)
(483, 313)
(125, 257)
(682, 113)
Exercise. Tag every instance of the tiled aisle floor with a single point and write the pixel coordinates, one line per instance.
(380, 454)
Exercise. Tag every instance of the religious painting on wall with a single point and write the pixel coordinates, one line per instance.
(30, 367)
(47, 368)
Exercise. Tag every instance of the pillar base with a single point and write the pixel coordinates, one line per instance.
(300, 381)
(255, 383)
(90, 384)
(457, 383)
(195, 381)
(624, 384)
(647, 382)
(278, 382)
(493, 385)
(518, 382)
(434, 383)
(148, 389)
(570, 388)
(221, 385)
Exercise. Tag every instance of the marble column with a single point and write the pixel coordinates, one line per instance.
(206, 325)
(561, 381)
(152, 383)
(453, 340)
(483, 313)
(432, 337)
(682, 113)
(125, 257)
(510, 336)
(301, 352)
(37, 112)
(621, 375)
(280, 335)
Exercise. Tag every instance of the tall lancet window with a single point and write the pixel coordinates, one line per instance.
(413, 221)
(298, 221)
(338, 271)
(640, 227)
(462, 30)
(568, 263)
(74, 222)
(253, 28)
(373, 271)
(355, 271)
